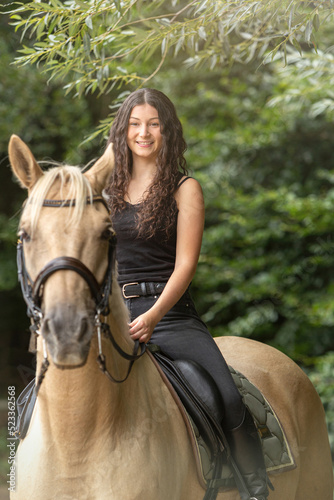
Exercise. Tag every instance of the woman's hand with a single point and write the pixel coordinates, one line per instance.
(141, 328)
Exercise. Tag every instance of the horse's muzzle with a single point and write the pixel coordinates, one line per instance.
(67, 334)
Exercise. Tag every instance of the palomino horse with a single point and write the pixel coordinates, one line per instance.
(92, 439)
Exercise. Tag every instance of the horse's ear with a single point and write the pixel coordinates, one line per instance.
(99, 174)
(23, 163)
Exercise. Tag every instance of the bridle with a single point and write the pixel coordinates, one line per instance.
(33, 294)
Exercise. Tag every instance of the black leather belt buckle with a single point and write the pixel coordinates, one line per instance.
(124, 291)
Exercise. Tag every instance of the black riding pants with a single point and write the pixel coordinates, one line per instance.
(181, 334)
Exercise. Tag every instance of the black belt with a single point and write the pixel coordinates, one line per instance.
(132, 290)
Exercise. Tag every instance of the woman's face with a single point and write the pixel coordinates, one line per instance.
(144, 136)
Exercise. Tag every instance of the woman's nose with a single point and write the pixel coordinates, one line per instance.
(144, 131)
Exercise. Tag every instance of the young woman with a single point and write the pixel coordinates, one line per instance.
(158, 214)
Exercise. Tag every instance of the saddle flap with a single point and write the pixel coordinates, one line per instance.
(204, 386)
(201, 415)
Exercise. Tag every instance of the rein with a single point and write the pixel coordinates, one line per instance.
(33, 295)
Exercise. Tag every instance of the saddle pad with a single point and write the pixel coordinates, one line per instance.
(277, 453)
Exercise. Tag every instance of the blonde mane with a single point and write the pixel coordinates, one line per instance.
(71, 185)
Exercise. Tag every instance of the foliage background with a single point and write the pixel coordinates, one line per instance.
(260, 142)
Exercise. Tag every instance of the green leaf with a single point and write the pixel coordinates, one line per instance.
(316, 22)
(202, 33)
(41, 5)
(285, 56)
(179, 45)
(57, 4)
(291, 15)
(73, 29)
(89, 22)
(27, 50)
(164, 21)
(296, 44)
(40, 30)
(84, 5)
(213, 63)
(308, 31)
(105, 72)
(314, 42)
(86, 43)
(118, 5)
(164, 45)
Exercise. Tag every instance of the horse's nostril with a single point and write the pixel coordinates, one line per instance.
(83, 328)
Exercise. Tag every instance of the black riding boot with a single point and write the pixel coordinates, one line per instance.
(247, 452)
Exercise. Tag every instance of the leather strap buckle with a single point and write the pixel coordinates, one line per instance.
(124, 292)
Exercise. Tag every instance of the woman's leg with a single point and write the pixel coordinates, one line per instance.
(182, 335)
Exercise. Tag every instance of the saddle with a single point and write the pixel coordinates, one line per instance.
(202, 410)
(202, 401)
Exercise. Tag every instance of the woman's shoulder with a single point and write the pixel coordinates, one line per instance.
(181, 179)
(188, 189)
(187, 182)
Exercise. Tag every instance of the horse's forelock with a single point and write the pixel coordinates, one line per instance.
(70, 184)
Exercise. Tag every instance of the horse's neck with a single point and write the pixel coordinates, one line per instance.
(82, 402)
(86, 421)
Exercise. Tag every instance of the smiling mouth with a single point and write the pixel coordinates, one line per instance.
(144, 144)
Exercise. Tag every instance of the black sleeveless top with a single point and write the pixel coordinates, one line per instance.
(142, 259)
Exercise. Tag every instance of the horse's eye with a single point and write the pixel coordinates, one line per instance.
(23, 235)
(107, 234)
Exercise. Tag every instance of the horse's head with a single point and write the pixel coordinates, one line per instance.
(78, 231)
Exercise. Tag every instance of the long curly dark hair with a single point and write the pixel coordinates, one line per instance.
(158, 209)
